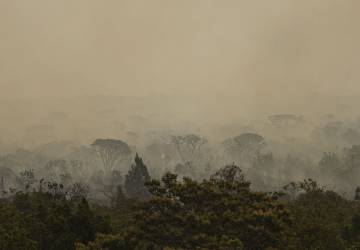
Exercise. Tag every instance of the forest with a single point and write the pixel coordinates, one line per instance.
(185, 192)
(179, 125)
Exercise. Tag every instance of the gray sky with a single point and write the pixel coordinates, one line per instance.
(262, 52)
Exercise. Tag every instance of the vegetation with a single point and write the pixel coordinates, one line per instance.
(197, 205)
(221, 212)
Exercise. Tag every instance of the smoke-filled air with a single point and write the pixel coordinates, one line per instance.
(179, 125)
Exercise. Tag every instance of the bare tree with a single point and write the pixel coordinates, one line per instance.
(110, 151)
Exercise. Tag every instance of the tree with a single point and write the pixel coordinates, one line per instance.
(108, 242)
(159, 154)
(13, 233)
(136, 178)
(78, 191)
(331, 168)
(82, 222)
(319, 217)
(294, 189)
(110, 151)
(119, 199)
(9, 180)
(78, 170)
(220, 213)
(352, 232)
(352, 157)
(27, 178)
(56, 170)
(244, 148)
(351, 172)
(188, 146)
(47, 220)
(357, 194)
(249, 142)
(107, 185)
(185, 169)
(231, 176)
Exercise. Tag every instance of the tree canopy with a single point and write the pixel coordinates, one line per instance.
(111, 150)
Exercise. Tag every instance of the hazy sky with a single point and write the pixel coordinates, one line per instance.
(271, 51)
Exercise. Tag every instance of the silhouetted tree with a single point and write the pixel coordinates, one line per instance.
(110, 151)
(244, 148)
(136, 178)
(230, 176)
(188, 146)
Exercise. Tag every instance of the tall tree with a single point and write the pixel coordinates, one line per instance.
(110, 151)
(136, 178)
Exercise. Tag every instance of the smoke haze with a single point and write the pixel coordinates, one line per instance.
(199, 61)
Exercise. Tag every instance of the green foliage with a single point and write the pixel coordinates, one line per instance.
(220, 213)
(47, 220)
(320, 217)
(13, 232)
